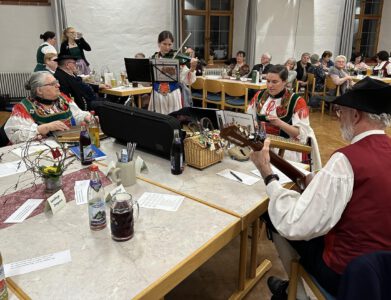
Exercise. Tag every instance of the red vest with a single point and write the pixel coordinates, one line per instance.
(384, 69)
(365, 225)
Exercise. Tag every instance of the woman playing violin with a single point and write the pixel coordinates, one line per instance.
(167, 95)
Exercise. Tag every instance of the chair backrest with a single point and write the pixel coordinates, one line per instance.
(235, 89)
(367, 277)
(311, 82)
(329, 85)
(213, 86)
(198, 84)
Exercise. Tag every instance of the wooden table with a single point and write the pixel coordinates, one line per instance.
(244, 202)
(248, 84)
(166, 248)
(123, 91)
(384, 79)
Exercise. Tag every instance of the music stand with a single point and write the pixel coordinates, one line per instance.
(138, 69)
(165, 70)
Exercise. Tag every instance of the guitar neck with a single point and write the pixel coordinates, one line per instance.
(285, 167)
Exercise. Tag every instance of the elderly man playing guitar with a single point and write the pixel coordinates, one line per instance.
(344, 212)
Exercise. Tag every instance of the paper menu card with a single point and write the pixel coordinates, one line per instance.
(160, 201)
(35, 147)
(23, 211)
(245, 179)
(37, 263)
(11, 168)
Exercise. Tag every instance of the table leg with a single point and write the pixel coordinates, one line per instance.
(254, 248)
(243, 258)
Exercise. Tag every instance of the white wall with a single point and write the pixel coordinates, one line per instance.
(239, 28)
(120, 28)
(20, 27)
(287, 28)
(385, 35)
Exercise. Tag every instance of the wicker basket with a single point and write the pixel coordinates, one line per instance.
(199, 156)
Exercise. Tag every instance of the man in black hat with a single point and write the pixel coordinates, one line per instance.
(345, 210)
(72, 85)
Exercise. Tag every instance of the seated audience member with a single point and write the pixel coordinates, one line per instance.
(290, 64)
(49, 38)
(357, 63)
(44, 111)
(345, 210)
(326, 61)
(50, 63)
(317, 69)
(263, 67)
(319, 74)
(339, 75)
(302, 69)
(240, 66)
(73, 86)
(139, 55)
(383, 64)
(283, 113)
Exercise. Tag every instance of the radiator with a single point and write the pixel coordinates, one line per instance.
(12, 84)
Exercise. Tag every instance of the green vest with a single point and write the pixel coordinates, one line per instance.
(284, 111)
(33, 110)
(40, 55)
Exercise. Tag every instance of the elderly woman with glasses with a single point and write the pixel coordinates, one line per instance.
(46, 110)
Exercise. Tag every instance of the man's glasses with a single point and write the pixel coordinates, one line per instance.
(53, 83)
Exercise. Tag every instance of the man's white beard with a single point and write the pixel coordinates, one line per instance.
(347, 132)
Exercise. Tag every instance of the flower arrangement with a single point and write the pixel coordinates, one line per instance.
(48, 161)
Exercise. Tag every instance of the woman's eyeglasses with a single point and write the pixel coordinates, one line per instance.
(53, 83)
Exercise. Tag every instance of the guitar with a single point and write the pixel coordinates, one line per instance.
(235, 136)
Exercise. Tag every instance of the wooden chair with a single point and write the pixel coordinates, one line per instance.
(302, 90)
(331, 91)
(297, 271)
(311, 92)
(213, 93)
(235, 95)
(197, 89)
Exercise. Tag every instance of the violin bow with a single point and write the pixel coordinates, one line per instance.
(179, 49)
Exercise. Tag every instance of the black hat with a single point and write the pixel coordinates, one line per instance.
(64, 56)
(369, 95)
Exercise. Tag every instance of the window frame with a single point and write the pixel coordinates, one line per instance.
(361, 17)
(208, 13)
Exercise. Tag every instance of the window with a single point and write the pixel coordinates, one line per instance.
(210, 23)
(367, 26)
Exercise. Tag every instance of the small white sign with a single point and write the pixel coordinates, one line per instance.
(37, 263)
(56, 201)
(81, 191)
(118, 189)
(24, 211)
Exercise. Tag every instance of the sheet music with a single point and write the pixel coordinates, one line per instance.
(160, 201)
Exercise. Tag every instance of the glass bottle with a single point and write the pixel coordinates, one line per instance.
(3, 283)
(93, 129)
(176, 154)
(85, 146)
(96, 201)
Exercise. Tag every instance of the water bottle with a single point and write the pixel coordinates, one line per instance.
(96, 201)
(85, 146)
(176, 154)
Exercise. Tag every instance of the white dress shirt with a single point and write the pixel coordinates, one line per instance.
(319, 208)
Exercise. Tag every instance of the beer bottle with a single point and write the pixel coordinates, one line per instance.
(93, 128)
(96, 201)
(3, 284)
(85, 146)
(176, 154)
